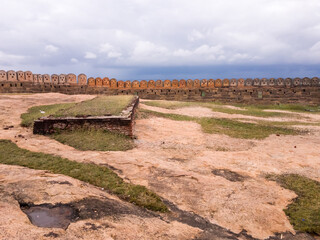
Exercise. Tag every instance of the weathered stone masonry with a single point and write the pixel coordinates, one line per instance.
(118, 124)
(296, 90)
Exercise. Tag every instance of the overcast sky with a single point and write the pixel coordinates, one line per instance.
(151, 39)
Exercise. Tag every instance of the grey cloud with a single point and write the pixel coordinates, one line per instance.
(109, 35)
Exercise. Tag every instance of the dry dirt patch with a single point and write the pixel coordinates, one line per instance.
(254, 205)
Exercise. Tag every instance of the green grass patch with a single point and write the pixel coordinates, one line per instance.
(99, 106)
(232, 128)
(304, 212)
(248, 110)
(34, 113)
(287, 123)
(99, 176)
(290, 107)
(243, 130)
(94, 140)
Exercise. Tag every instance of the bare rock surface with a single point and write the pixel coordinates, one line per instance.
(176, 160)
(207, 112)
(99, 215)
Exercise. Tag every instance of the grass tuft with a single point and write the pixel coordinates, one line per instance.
(304, 212)
(232, 128)
(99, 106)
(34, 113)
(99, 176)
(247, 110)
(94, 140)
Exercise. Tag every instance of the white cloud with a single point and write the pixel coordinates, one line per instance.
(90, 55)
(195, 35)
(51, 49)
(74, 60)
(109, 50)
(106, 47)
(147, 48)
(315, 47)
(159, 33)
(10, 59)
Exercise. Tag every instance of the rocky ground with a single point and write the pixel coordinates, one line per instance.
(213, 184)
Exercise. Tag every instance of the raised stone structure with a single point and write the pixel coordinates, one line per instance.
(12, 76)
(119, 124)
(3, 75)
(296, 90)
(62, 79)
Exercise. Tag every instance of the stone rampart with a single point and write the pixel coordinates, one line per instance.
(288, 90)
(119, 124)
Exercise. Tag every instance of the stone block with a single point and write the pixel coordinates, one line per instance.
(46, 78)
(196, 83)
(315, 81)
(241, 82)
(256, 82)
(113, 83)
(280, 82)
(106, 82)
(28, 76)
(127, 84)
(98, 82)
(218, 83)
(182, 83)
(297, 82)
(159, 84)
(151, 84)
(35, 79)
(264, 82)
(3, 75)
(272, 81)
(71, 79)
(40, 79)
(288, 82)
(306, 81)
(12, 76)
(144, 84)
(225, 83)
(91, 82)
(190, 83)
(167, 84)
(55, 79)
(120, 84)
(20, 76)
(233, 82)
(248, 82)
(135, 84)
(82, 79)
(204, 83)
(211, 83)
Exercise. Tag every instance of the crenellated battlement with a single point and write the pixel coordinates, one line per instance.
(286, 90)
(81, 79)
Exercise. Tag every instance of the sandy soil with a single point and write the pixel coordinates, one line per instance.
(206, 112)
(197, 172)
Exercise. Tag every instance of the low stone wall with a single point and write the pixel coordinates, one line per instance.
(245, 94)
(123, 124)
(289, 90)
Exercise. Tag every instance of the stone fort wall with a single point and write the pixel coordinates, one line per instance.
(280, 90)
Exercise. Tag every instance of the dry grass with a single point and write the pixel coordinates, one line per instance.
(94, 140)
(304, 212)
(99, 176)
(99, 106)
(232, 128)
(248, 110)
